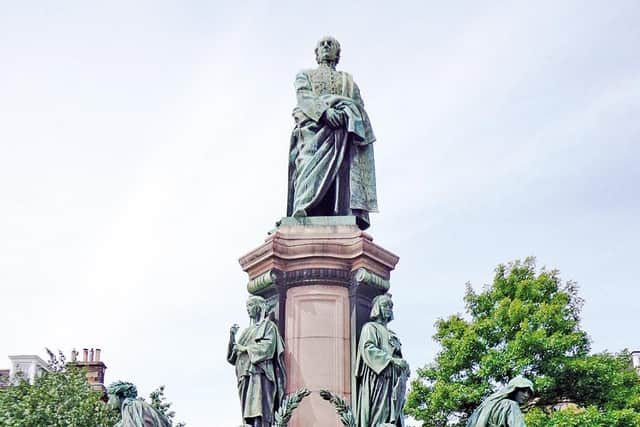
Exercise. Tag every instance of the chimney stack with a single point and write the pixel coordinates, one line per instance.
(94, 366)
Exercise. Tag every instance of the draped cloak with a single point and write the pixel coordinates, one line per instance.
(498, 410)
(381, 385)
(331, 171)
(260, 372)
(138, 413)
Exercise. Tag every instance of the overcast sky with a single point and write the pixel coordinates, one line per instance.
(143, 150)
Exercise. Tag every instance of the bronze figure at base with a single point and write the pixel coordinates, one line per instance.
(258, 356)
(381, 372)
(135, 412)
(502, 408)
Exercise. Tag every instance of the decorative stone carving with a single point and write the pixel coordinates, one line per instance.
(334, 245)
(261, 282)
(372, 279)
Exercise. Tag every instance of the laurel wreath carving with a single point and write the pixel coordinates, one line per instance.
(342, 408)
(289, 404)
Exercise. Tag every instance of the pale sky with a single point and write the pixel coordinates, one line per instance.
(143, 150)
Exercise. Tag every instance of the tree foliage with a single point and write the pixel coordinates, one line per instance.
(58, 398)
(62, 397)
(524, 323)
(592, 416)
(158, 400)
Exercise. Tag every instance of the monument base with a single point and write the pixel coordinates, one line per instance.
(319, 274)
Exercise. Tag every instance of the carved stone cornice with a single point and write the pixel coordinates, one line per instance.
(318, 247)
(261, 282)
(364, 276)
(316, 276)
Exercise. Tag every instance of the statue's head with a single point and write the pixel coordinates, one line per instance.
(119, 391)
(522, 389)
(328, 51)
(256, 307)
(382, 308)
(522, 395)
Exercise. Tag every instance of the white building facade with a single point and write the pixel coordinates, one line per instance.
(29, 366)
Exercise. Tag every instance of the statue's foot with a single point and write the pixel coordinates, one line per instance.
(299, 214)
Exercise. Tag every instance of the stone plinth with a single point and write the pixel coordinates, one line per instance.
(320, 275)
(317, 347)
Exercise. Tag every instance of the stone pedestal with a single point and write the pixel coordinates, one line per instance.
(319, 275)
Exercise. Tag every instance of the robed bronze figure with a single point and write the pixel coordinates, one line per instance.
(134, 412)
(381, 372)
(331, 165)
(502, 408)
(258, 356)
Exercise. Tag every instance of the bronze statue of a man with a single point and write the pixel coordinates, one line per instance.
(502, 408)
(135, 412)
(258, 356)
(381, 372)
(331, 165)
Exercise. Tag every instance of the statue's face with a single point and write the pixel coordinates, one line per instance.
(115, 402)
(327, 50)
(253, 309)
(522, 395)
(386, 309)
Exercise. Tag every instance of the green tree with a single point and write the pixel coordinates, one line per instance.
(527, 322)
(159, 401)
(58, 398)
(589, 417)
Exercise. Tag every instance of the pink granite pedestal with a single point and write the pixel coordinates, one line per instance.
(320, 276)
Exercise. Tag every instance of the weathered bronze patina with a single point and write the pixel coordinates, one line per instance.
(381, 372)
(135, 412)
(331, 166)
(258, 356)
(502, 408)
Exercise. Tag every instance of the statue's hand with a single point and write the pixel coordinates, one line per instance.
(334, 118)
(400, 363)
(234, 330)
(240, 348)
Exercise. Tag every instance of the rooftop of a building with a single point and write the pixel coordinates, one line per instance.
(635, 360)
(30, 366)
(4, 377)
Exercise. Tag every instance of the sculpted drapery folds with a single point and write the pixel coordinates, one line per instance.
(381, 372)
(502, 408)
(135, 412)
(331, 165)
(258, 356)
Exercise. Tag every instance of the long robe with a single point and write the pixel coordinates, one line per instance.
(260, 372)
(331, 171)
(381, 385)
(138, 413)
(498, 410)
